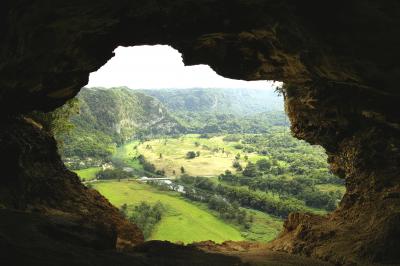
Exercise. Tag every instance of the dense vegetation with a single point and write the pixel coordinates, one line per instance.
(111, 117)
(58, 122)
(117, 173)
(146, 216)
(219, 101)
(203, 189)
(96, 131)
(223, 110)
(268, 170)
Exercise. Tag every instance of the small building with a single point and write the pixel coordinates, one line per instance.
(127, 169)
(106, 166)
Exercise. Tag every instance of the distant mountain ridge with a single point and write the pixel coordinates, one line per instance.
(222, 110)
(239, 101)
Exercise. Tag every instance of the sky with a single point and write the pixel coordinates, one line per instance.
(161, 66)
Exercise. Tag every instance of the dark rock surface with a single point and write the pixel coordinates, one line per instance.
(339, 60)
(34, 179)
(35, 239)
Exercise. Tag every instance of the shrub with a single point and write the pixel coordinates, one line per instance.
(238, 146)
(190, 155)
(263, 165)
(146, 216)
(237, 165)
(112, 174)
(250, 170)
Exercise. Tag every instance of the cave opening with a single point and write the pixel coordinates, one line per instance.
(188, 155)
(337, 60)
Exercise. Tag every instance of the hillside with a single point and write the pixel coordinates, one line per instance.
(174, 227)
(241, 102)
(206, 110)
(109, 117)
(122, 113)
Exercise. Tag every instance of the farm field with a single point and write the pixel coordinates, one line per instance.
(88, 173)
(184, 221)
(127, 154)
(216, 155)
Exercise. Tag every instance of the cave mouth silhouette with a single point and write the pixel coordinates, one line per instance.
(337, 61)
(131, 61)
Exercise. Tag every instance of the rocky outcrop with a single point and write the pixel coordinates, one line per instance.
(366, 152)
(41, 240)
(35, 180)
(339, 60)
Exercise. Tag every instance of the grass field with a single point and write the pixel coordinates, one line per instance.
(185, 222)
(264, 227)
(88, 173)
(127, 153)
(331, 187)
(209, 163)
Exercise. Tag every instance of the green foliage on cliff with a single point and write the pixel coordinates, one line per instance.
(110, 117)
(57, 122)
(219, 101)
(223, 110)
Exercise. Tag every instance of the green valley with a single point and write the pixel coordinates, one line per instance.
(184, 222)
(196, 164)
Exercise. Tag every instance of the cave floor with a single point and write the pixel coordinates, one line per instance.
(34, 239)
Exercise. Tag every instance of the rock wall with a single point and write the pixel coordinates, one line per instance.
(364, 229)
(338, 59)
(34, 179)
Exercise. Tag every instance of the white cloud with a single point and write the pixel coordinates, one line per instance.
(161, 66)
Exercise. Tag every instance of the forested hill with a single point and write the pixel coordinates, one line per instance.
(222, 101)
(110, 117)
(223, 110)
(122, 113)
(114, 116)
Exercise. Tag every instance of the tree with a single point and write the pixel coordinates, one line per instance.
(117, 162)
(182, 170)
(160, 155)
(246, 157)
(197, 153)
(190, 155)
(146, 216)
(237, 157)
(237, 165)
(160, 172)
(112, 174)
(149, 167)
(250, 170)
(263, 164)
